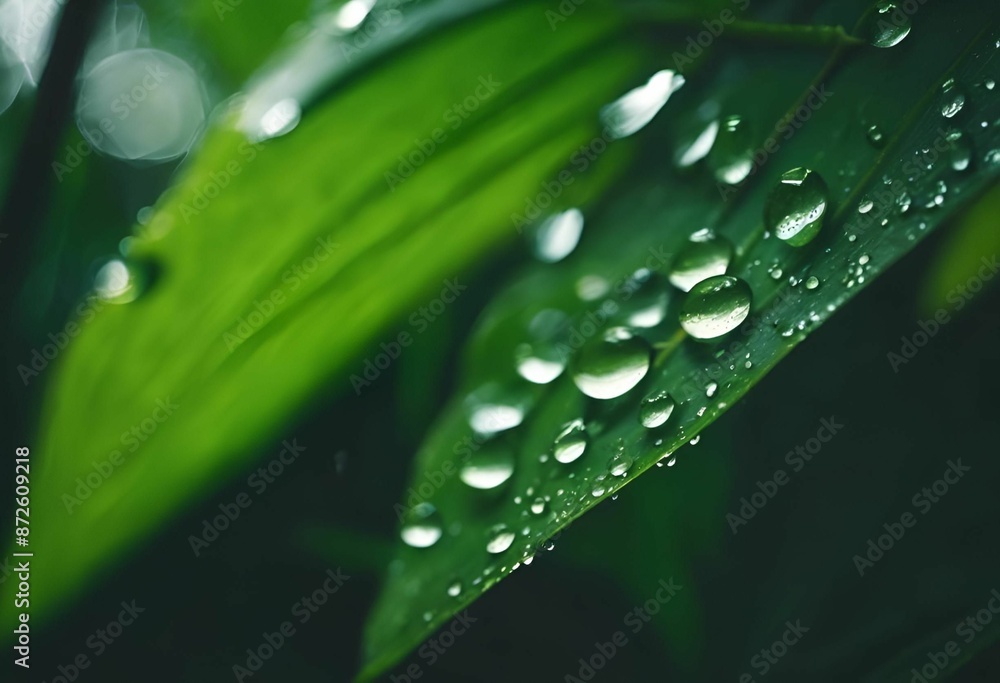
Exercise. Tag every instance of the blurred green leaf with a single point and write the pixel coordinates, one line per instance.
(886, 193)
(274, 265)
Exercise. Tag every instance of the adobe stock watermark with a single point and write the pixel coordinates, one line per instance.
(797, 459)
(958, 298)
(419, 321)
(98, 643)
(634, 620)
(258, 482)
(785, 129)
(967, 630)
(219, 180)
(454, 117)
(303, 610)
(131, 440)
(433, 648)
(768, 656)
(119, 109)
(291, 279)
(697, 44)
(924, 501)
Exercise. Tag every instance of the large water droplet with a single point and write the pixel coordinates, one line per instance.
(796, 207)
(704, 256)
(541, 359)
(612, 364)
(489, 467)
(731, 157)
(715, 307)
(500, 538)
(644, 299)
(121, 282)
(886, 25)
(571, 441)
(154, 101)
(558, 235)
(656, 409)
(495, 408)
(421, 526)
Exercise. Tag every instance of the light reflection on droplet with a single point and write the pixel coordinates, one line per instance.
(633, 110)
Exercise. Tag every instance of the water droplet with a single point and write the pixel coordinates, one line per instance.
(656, 409)
(489, 467)
(620, 461)
(863, 259)
(538, 506)
(866, 205)
(500, 538)
(455, 588)
(715, 307)
(875, 136)
(280, 119)
(953, 98)
(598, 490)
(571, 441)
(711, 388)
(633, 110)
(421, 526)
(812, 282)
(495, 408)
(611, 365)
(695, 440)
(539, 362)
(121, 282)
(795, 208)
(166, 107)
(704, 256)
(960, 149)
(644, 299)
(989, 84)
(886, 25)
(732, 155)
(558, 235)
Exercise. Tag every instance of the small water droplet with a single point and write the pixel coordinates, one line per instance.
(500, 538)
(455, 588)
(705, 255)
(812, 282)
(571, 441)
(695, 440)
(538, 506)
(698, 148)
(711, 388)
(866, 205)
(656, 409)
(863, 259)
(960, 149)
(715, 307)
(421, 526)
(620, 461)
(875, 136)
(495, 408)
(953, 98)
(887, 25)
(488, 467)
(612, 364)
(644, 299)
(796, 206)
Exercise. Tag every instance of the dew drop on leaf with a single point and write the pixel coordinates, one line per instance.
(455, 588)
(488, 467)
(886, 26)
(646, 294)
(500, 538)
(611, 365)
(557, 236)
(656, 409)
(731, 157)
(620, 461)
(571, 442)
(875, 136)
(421, 526)
(796, 206)
(953, 98)
(121, 281)
(704, 256)
(715, 307)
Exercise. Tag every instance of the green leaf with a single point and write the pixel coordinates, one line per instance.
(837, 96)
(274, 266)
